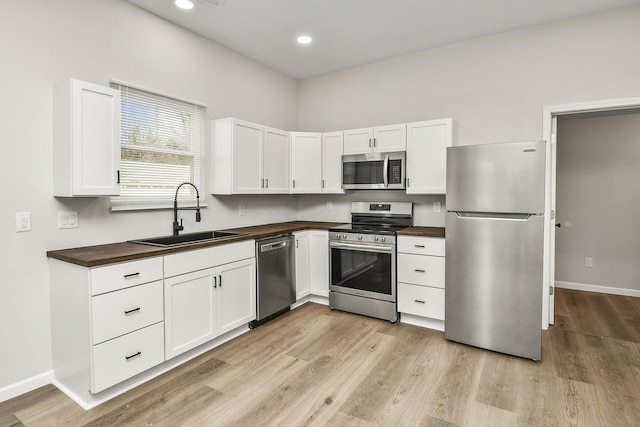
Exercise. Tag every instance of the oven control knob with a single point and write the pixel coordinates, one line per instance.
(384, 238)
(359, 237)
(337, 235)
(344, 236)
(375, 238)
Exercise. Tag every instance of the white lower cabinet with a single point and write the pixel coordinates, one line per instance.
(421, 283)
(203, 300)
(312, 263)
(302, 264)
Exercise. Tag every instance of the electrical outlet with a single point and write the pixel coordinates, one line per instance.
(588, 262)
(241, 211)
(67, 219)
(436, 207)
(23, 221)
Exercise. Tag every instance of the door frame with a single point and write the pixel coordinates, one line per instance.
(550, 116)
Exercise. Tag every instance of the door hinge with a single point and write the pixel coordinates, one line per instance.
(553, 214)
(550, 290)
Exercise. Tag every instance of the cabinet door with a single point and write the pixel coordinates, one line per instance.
(427, 144)
(332, 162)
(358, 141)
(306, 166)
(319, 263)
(390, 138)
(189, 311)
(236, 294)
(276, 161)
(302, 264)
(247, 157)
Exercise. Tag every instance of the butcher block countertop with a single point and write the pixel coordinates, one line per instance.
(94, 256)
(422, 232)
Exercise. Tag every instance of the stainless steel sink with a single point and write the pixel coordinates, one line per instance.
(185, 239)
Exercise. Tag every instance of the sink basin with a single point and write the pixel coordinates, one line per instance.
(184, 239)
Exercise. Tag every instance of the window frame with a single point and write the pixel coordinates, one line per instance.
(141, 202)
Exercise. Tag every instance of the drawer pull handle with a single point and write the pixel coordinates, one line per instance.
(133, 355)
(419, 246)
(133, 310)
(132, 275)
(419, 301)
(419, 270)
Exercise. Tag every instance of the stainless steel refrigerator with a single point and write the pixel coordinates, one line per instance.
(494, 246)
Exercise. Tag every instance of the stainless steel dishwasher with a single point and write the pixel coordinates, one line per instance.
(276, 277)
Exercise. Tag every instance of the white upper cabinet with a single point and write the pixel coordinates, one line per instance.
(375, 140)
(86, 138)
(248, 158)
(276, 161)
(306, 162)
(427, 144)
(332, 144)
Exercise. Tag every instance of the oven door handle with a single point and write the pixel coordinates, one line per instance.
(357, 247)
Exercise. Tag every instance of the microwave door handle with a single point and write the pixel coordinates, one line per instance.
(385, 173)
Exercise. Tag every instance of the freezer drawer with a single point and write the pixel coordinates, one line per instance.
(493, 275)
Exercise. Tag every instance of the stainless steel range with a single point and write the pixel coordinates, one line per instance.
(363, 259)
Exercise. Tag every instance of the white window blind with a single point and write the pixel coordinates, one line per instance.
(162, 145)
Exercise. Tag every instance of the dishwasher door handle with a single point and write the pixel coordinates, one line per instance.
(273, 246)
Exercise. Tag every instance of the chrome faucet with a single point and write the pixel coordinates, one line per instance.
(177, 228)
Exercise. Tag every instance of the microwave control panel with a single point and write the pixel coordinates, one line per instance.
(395, 172)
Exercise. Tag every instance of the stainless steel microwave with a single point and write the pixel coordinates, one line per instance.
(374, 171)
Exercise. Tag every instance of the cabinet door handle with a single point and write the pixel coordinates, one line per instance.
(131, 276)
(369, 142)
(407, 182)
(215, 281)
(133, 310)
(419, 301)
(323, 183)
(374, 142)
(220, 280)
(419, 246)
(133, 355)
(419, 270)
(118, 182)
(266, 183)
(262, 183)
(294, 183)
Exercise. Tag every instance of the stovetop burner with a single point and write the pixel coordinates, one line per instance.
(378, 218)
(369, 228)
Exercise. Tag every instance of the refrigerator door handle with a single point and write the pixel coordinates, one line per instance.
(502, 216)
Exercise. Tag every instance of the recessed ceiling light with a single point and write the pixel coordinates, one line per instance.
(184, 4)
(304, 39)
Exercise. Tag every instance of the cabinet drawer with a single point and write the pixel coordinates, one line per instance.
(120, 276)
(421, 301)
(121, 358)
(421, 245)
(421, 270)
(120, 312)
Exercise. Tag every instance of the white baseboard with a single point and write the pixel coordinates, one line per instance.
(423, 322)
(12, 390)
(598, 288)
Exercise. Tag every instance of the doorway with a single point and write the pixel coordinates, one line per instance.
(550, 116)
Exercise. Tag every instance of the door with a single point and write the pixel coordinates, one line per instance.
(427, 144)
(276, 161)
(332, 163)
(302, 264)
(493, 274)
(358, 141)
(189, 311)
(506, 177)
(247, 157)
(95, 129)
(552, 220)
(306, 162)
(390, 138)
(236, 294)
(319, 266)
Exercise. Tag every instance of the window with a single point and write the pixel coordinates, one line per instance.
(162, 145)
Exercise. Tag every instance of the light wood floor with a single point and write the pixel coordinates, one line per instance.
(316, 367)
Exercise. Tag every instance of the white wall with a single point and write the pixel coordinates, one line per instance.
(44, 42)
(598, 171)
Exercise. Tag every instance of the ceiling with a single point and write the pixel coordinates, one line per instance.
(347, 33)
